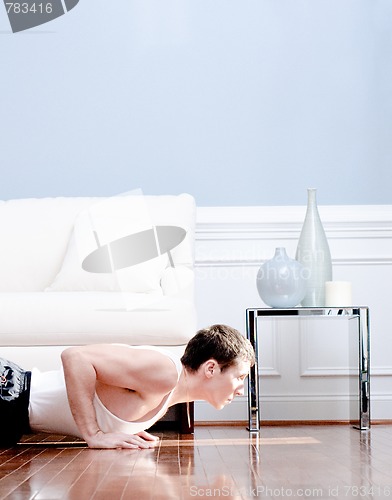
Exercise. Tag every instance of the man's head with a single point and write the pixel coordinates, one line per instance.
(219, 342)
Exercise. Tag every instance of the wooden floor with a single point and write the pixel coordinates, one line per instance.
(322, 462)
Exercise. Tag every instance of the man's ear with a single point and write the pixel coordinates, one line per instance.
(211, 367)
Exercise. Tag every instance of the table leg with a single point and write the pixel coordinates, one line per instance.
(253, 383)
(364, 369)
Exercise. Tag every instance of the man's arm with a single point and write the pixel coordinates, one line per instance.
(80, 379)
(111, 365)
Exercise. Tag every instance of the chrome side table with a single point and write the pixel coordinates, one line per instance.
(358, 314)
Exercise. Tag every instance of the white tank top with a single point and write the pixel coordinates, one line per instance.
(49, 409)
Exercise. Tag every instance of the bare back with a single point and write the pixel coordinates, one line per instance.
(140, 394)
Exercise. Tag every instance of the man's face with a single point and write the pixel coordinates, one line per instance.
(224, 386)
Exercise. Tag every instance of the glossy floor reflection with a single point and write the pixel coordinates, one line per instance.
(322, 462)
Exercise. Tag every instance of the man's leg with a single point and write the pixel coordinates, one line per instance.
(14, 402)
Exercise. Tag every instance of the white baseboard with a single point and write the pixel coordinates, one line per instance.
(304, 409)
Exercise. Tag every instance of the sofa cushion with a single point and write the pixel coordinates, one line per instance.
(111, 219)
(144, 277)
(37, 250)
(34, 237)
(77, 318)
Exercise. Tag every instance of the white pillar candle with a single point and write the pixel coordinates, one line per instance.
(338, 293)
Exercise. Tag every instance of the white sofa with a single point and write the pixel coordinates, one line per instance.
(48, 301)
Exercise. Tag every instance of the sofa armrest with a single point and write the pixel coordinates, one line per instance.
(178, 282)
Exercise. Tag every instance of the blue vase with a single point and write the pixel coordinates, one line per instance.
(280, 281)
(314, 254)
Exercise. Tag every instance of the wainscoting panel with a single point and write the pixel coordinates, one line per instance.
(325, 347)
(306, 366)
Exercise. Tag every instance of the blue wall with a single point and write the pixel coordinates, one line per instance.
(239, 102)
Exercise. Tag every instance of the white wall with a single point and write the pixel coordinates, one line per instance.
(304, 365)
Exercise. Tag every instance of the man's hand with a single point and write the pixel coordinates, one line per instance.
(142, 440)
(148, 437)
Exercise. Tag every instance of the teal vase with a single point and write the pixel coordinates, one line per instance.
(280, 281)
(314, 254)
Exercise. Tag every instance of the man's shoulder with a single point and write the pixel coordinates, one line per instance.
(157, 368)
